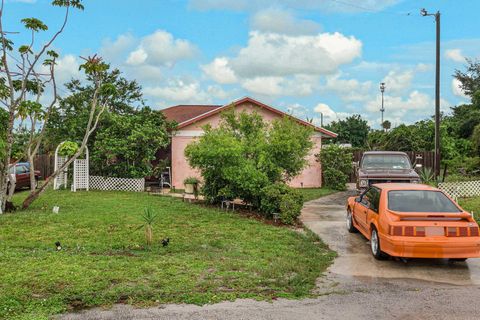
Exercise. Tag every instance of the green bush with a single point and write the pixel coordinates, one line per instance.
(335, 179)
(336, 166)
(68, 149)
(282, 199)
(191, 180)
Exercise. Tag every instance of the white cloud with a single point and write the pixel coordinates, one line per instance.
(276, 20)
(264, 85)
(185, 91)
(161, 48)
(269, 54)
(276, 86)
(220, 71)
(455, 55)
(349, 90)
(457, 89)
(248, 5)
(398, 81)
(114, 51)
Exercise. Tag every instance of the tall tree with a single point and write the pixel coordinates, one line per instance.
(469, 79)
(22, 81)
(353, 130)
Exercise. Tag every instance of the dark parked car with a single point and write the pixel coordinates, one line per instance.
(385, 166)
(22, 175)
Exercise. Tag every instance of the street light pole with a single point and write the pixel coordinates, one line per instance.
(424, 13)
(382, 110)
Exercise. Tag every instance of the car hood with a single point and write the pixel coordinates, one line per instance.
(387, 173)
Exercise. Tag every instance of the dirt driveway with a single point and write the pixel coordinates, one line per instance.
(355, 287)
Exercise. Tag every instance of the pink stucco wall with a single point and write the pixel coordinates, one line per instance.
(310, 177)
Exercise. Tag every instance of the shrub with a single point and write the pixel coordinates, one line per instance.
(336, 166)
(335, 179)
(282, 199)
(68, 149)
(245, 154)
(191, 180)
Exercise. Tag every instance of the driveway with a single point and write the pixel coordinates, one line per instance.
(356, 286)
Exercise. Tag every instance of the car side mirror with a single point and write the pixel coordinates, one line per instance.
(358, 199)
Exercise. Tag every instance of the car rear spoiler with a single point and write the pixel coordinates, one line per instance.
(460, 215)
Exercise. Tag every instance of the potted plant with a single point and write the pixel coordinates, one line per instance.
(191, 184)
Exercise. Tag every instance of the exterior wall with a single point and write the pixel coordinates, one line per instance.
(180, 167)
(311, 176)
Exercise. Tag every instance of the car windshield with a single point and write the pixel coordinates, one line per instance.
(385, 161)
(420, 201)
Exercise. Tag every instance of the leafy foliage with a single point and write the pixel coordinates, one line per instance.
(336, 166)
(244, 155)
(282, 199)
(469, 79)
(353, 130)
(68, 149)
(148, 218)
(126, 144)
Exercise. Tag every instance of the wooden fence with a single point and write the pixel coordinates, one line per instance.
(428, 159)
(45, 164)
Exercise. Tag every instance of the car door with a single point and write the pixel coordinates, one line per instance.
(361, 210)
(374, 203)
(22, 176)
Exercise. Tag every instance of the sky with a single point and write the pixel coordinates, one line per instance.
(304, 57)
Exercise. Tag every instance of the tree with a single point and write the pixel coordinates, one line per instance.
(353, 130)
(469, 79)
(68, 120)
(244, 155)
(96, 70)
(127, 143)
(23, 81)
(337, 166)
(386, 125)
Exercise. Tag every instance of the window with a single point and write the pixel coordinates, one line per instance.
(373, 195)
(20, 169)
(386, 161)
(420, 201)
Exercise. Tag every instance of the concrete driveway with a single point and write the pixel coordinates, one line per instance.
(355, 287)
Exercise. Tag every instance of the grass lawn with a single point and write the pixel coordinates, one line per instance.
(471, 204)
(314, 193)
(212, 256)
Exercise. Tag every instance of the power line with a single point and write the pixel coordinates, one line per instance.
(354, 5)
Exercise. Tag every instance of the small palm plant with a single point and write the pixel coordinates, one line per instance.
(426, 174)
(148, 218)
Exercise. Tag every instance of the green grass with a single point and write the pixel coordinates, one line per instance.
(471, 204)
(315, 193)
(213, 255)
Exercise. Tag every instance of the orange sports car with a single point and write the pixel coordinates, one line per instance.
(413, 221)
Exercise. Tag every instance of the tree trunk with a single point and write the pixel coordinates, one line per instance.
(6, 164)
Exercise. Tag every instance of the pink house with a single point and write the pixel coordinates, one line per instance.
(191, 119)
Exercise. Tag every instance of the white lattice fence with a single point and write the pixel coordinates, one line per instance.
(461, 189)
(116, 184)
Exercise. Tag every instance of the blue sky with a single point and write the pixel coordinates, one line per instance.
(301, 56)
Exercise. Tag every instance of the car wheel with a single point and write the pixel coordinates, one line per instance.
(350, 227)
(375, 245)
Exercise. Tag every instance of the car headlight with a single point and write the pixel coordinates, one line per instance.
(363, 183)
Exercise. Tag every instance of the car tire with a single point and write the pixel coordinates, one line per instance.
(350, 227)
(457, 259)
(375, 247)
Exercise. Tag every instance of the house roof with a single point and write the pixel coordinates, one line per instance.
(192, 117)
(182, 113)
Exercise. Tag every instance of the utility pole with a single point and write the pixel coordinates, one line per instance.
(424, 13)
(382, 110)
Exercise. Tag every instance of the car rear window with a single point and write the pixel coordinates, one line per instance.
(420, 201)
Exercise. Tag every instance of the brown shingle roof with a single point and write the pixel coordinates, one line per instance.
(183, 113)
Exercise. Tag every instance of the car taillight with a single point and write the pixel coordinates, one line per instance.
(474, 231)
(420, 231)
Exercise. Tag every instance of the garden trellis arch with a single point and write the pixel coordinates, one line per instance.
(81, 171)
